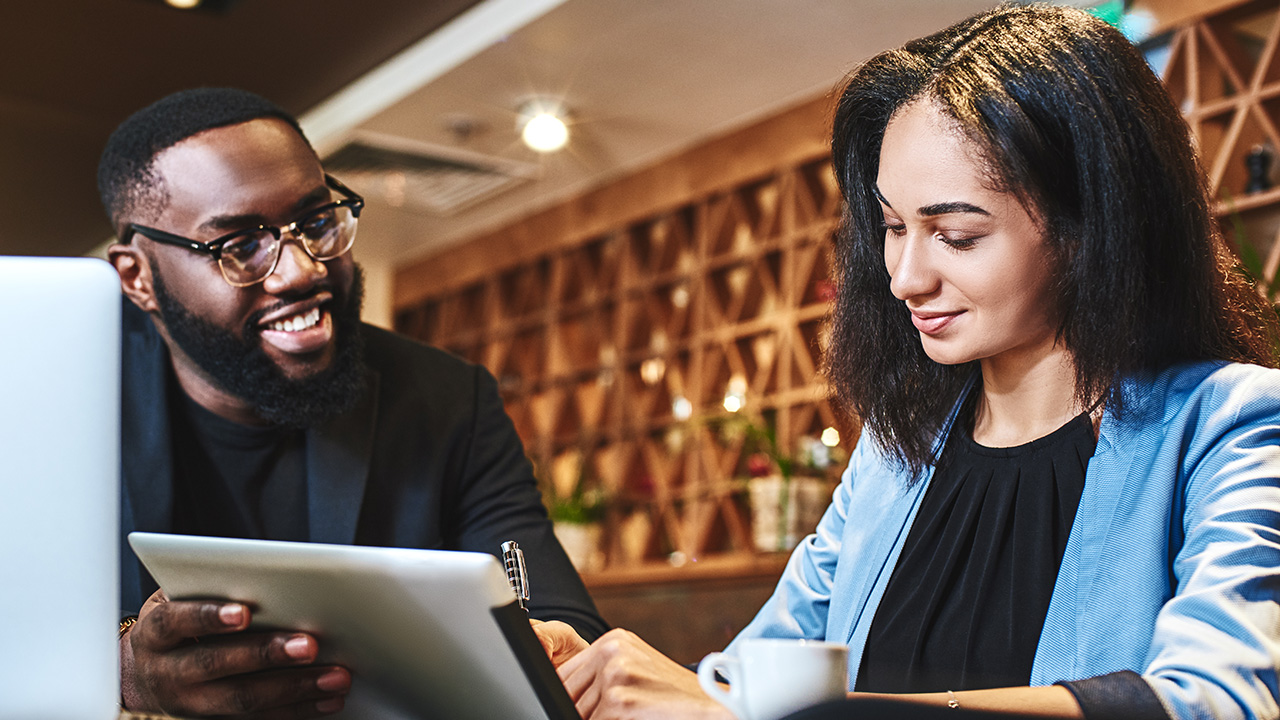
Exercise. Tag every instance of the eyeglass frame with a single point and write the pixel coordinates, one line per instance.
(352, 201)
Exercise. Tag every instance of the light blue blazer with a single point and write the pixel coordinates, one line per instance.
(1172, 568)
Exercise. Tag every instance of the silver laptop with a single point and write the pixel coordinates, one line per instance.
(59, 475)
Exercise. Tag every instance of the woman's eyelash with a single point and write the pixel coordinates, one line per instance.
(963, 242)
(958, 243)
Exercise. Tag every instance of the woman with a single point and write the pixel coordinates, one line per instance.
(1068, 494)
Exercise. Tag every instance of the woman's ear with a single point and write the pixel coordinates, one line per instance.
(134, 268)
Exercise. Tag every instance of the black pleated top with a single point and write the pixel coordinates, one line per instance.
(967, 600)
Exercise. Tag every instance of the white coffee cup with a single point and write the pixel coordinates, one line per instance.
(770, 678)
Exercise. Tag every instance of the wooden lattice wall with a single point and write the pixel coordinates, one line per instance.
(1223, 71)
(695, 282)
(595, 345)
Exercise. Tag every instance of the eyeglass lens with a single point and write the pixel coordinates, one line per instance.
(326, 234)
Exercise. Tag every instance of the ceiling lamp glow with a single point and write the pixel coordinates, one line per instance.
(183, 4)
(542, 126)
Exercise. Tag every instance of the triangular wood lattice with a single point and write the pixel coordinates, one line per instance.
(622, 348)
(1224, 73)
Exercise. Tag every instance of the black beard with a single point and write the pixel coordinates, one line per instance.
(243, 369)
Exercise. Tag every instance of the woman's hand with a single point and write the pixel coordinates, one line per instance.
(620, 676)
(560, 641)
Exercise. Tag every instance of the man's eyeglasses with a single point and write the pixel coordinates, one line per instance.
(249, 256)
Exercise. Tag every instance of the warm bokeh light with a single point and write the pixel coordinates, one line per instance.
(545, 132)
(681, 408)
(736, 395)
(652, 370)
(183, 4)
(830, 437)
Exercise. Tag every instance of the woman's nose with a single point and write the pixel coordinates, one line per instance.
(910, 265)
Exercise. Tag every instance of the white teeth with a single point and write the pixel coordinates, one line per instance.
(297, 322)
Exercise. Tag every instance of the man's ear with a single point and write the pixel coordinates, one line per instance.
(134, 268)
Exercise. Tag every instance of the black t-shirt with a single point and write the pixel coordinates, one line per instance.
(234, 480)
(966, 603)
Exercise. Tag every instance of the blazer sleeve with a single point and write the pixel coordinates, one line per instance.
(801, 602)
(1216, 647)
(497, 499)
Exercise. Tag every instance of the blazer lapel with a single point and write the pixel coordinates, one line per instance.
(338, 457)
(147, 451)
(1108, 479)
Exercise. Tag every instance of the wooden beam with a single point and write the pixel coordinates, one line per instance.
(1171, 14)
(794, 136)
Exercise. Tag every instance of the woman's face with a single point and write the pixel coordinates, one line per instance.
(971, 263)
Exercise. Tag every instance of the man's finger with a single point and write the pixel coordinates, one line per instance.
(297, 692)
(221, 657)
(309, 709)
(171, 623)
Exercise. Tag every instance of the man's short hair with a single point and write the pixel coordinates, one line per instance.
(127, 183)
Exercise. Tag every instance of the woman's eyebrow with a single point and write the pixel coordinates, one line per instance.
(947, 208)
(942, 208)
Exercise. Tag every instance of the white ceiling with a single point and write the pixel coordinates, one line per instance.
(643, 79)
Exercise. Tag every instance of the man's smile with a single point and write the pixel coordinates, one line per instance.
(299, 328)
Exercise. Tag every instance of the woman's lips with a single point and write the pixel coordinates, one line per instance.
(933, 323)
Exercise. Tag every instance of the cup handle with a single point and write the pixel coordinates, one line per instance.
(727, 666)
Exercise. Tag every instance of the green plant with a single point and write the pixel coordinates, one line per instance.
(567, 490)
(760, 447)
(580, 507)
(1251, 263)
(763, 457)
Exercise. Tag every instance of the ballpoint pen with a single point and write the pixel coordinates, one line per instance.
(513, 561)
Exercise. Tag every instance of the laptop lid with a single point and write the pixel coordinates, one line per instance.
(59, 470)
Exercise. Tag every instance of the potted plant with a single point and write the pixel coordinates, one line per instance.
(576, 511)
(788, 492)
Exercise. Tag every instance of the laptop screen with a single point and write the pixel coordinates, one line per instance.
(59, 470)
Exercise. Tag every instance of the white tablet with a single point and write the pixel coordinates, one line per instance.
(425, 633)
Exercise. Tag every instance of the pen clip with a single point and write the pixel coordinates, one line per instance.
(517, 577)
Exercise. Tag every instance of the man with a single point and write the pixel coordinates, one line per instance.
(255, 404)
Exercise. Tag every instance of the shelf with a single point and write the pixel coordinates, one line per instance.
(1245, 203)
(764, 565)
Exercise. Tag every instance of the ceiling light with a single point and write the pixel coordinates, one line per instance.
(542, 125)
(183, 4)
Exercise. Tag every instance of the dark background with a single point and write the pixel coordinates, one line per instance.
(73, 69)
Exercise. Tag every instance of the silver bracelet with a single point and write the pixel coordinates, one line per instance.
(952, 702)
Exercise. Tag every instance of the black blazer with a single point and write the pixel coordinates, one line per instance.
(427, 459)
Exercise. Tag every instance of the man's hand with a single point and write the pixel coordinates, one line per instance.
(620, 676)
(193, 658)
